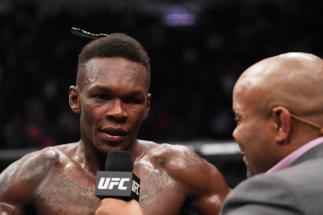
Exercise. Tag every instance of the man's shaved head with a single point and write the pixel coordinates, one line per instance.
(293, 80)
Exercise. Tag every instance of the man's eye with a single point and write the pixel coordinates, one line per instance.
(102, 97)
(132, 100)
(237, 120)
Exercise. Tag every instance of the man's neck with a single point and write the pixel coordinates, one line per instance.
(93, 160)
(90, 158)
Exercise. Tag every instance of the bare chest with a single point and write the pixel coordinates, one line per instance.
(67, 192)
(72, 192)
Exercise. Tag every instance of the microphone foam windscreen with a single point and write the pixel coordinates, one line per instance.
(119, 161)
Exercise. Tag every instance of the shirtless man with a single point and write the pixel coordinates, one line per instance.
(112, 97)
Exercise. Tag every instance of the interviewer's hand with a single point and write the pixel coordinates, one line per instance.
(110, 206)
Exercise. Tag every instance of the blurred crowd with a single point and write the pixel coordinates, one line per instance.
(197, 52)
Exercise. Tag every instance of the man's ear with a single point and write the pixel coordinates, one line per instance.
(74, 99)
(148, 105)
(283, 126)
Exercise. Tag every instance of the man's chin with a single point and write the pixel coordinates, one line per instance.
(249, 173)
(109, 147)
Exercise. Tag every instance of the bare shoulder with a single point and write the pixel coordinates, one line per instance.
(182, 163)
(180, 168)
(174, 156)
(21, 178)
(154, 148)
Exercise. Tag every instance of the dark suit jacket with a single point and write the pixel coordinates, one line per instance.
(295, 190)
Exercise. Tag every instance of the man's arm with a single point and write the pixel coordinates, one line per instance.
(19, 181)
(263, 195)
(110, 206)
(210, 187)
(206, 186)
(12, 190)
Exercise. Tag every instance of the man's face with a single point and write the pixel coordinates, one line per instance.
(114, 101)
(254, 130)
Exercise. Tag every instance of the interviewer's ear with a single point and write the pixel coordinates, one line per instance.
(283, 126)
(74, 99)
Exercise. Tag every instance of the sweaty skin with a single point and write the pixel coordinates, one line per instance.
(54, 182)
(112, 99)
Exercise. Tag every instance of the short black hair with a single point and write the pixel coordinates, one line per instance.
(114, 45)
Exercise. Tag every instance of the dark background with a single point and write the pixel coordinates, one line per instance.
(197, 50)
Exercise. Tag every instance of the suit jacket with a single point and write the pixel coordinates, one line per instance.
(295, 190)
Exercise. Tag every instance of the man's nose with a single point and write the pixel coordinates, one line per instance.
(116, 111)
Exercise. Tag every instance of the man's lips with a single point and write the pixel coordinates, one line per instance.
(114, 131)
(113, 134)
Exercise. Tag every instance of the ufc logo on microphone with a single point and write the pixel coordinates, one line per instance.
(110, 183)
(135, 187)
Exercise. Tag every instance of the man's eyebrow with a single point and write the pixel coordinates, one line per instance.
(100, 89)
(135, 93)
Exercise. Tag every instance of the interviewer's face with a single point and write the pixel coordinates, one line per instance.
(253, 131)
(114, 101)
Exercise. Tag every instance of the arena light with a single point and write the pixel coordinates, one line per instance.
(177, 16)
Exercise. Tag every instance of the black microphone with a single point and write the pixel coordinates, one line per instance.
(118, 180)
